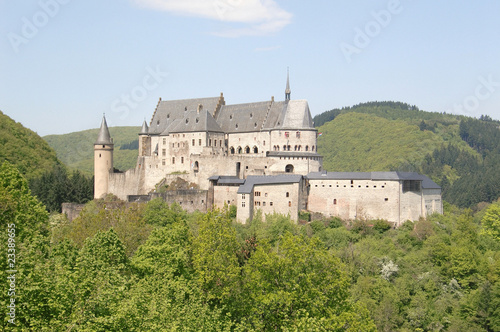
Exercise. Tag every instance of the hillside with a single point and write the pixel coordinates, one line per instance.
(364, 142)
(76, 149)
(460, 153)
(24, 149)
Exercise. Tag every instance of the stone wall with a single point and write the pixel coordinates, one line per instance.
(189, 200)
(72, 210)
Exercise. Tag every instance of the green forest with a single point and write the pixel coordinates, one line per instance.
(153, 267)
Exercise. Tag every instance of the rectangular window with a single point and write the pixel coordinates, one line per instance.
(163, 162)
(210, 142)
(270, 203)
(287, 194)
(242, 204)
(163, 152)
(182, 160)
(289, 204)
(199, 142)
(242, 196)
(173, 160)
(220, 142)
(193, 142)
(334, 201)
(257, 194)
(164, 141)
(297, 134)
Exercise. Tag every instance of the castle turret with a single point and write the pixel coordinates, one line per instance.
(103, 160)
(144, 140)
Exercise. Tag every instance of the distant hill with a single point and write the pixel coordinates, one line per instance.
(76, 149)
(25, 149)
(460, 153)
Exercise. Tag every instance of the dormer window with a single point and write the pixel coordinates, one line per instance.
(197, 120)
(185, 109)
(187, 120)
(231, 117)
(251, 115)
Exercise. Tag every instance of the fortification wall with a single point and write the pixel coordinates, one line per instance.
(189, 200)
(359, 199)
(124, 184)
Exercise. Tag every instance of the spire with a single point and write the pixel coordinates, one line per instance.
(287, 90)
(104, 137)
(144, 129)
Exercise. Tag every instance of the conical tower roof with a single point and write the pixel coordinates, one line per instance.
(104, 137)
(144, 129)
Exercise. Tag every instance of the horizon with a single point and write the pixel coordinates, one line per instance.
(65, 63)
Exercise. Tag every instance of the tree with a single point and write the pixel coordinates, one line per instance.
(215, 257)
(491, 221)
(100, 280)
(297, 282)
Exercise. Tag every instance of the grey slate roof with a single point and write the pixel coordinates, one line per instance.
(103, 137)
(375, 176)
(222, 179)
(242, 118)
(169, 111)
(254, 180)
(265, 115)
(195, 122)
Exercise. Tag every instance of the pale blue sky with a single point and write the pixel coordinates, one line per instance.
(65, 62)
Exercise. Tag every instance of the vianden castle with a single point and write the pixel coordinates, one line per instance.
(260, 155)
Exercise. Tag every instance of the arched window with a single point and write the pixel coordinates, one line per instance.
(289, 168)
(295, 148)
(240, 150)
(289, 147)
(300, 148)
(247, 149)
(196, 167)
(255, 149)
(284, 147)
(307, 147)
(231, 150)
(312, 149)
(277, 147)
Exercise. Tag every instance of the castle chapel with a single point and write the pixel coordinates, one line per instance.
(260, 155)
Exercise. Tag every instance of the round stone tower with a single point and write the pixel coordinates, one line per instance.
(103, 160)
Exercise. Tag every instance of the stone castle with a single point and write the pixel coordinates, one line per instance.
(260, 155)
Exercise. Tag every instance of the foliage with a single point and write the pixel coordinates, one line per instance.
(24, 149)
(123, 267)
(491, 221)
(55, 187)
(125, 218)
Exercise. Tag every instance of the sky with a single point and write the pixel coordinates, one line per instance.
(63, 63)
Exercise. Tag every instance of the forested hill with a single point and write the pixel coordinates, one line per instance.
(76, 149)
(24, 149)
(460, 153)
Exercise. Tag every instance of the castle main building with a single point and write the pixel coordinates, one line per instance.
(227, 151)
